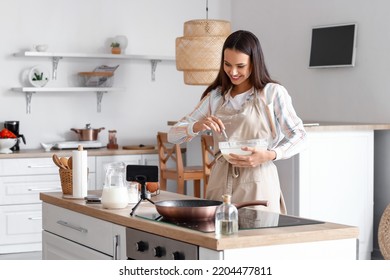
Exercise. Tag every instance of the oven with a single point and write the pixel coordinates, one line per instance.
(142, 245)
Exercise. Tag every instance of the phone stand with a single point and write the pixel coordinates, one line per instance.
(142, 180)
(141, 174)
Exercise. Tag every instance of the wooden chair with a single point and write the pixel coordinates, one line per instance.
(208, 158)
(168, 152)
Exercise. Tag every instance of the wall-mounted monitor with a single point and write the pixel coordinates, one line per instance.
(333, 46)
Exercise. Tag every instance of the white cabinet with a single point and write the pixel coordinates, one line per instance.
(20, 228)
(333, 181)
(101, 161)
(21, 181)
(58, 248)
(65, 231)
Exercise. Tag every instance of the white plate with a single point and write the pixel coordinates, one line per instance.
(41, 72)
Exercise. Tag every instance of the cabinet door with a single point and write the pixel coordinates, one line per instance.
(26, 189)
(27, 166)
(20, 228)
(89, 231)
(336, 181)
(101, 161)
(58, 248)
(150, 159)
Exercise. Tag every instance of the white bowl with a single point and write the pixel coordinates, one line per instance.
(235, 147)
(47, 146)
(41, 47)
(6, 144)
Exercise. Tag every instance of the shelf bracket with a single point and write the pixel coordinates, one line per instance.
(154, 66)
(28, 101)
(56, 59)
(99, 96)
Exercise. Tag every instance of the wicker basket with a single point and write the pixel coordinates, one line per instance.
(66, 181)
(384, 233)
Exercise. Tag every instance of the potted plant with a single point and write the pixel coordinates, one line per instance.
(38, 78)
(115, 48)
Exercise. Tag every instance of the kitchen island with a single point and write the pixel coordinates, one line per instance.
(67, 221)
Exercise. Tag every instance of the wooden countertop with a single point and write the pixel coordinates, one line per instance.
(245, 238)
(40, 153)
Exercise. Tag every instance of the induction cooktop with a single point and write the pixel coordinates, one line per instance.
(74, 144)
(248, 218)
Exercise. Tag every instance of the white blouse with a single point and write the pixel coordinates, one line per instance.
(290, 134)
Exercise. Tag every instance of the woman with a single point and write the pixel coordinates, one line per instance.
(246, 103)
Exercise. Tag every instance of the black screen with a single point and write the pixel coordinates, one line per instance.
(146, 173)
(333, 46)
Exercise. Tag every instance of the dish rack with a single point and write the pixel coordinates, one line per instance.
(97, 79)
(102, 76)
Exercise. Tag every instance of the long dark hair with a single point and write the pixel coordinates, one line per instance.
(245, 42)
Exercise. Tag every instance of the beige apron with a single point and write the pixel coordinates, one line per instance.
(252, 183)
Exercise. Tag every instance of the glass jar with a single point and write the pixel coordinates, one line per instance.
(132, 189)
(226, 217)
(115, 194)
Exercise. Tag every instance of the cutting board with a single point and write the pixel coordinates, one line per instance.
(139, 147)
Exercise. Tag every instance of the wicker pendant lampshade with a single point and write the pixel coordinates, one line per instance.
(198, 52)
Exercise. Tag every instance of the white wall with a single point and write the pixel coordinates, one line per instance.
(358, 94)
(84, 26)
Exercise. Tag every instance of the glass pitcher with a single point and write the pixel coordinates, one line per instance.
(115, 194)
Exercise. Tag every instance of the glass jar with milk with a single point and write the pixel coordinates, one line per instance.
(115, 194)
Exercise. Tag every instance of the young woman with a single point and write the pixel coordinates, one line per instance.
(246, 103)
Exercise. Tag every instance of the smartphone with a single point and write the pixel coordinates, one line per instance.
(93, 199)
(142, 173)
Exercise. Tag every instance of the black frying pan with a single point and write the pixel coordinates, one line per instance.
(195, 209)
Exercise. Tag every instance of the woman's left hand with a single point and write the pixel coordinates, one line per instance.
(257, 157)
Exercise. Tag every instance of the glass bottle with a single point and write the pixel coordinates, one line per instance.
(226, 217)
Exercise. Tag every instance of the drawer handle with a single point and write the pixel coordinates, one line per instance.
(35, 218)
(66, 224)
(44, 189)
(41, 166)
(116, 247)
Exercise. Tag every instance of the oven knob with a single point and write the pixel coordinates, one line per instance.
(141, 246)
(177, 256)
(159, 251)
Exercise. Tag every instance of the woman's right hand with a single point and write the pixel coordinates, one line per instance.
(208, 123)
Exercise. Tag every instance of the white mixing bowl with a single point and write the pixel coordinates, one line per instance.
(6, 144)
(234, 147)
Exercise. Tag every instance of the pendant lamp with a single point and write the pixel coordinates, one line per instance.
(199, 51)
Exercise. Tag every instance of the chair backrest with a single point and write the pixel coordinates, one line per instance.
(168, 152)
(207, 143)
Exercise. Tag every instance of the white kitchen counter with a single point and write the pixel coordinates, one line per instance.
(39, 153)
